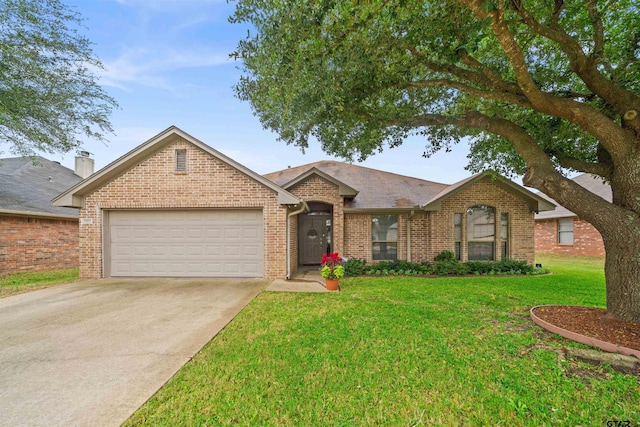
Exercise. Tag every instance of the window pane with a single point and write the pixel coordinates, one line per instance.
(504, 234)
(565, 231)
(384, 237)
(387, 251)
(457, 227)
(481, 251)
(481, 230)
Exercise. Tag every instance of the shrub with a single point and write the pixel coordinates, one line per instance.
(354, 267)
(449, 266)
(446, 256)
(444, 268)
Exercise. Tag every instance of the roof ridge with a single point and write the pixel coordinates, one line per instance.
(314, 164)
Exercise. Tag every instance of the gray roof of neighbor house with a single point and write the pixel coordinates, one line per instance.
(588, 181)
(375, 189)
(27, 186)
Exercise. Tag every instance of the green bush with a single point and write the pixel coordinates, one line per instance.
(451, 267)
(446, 256)
(354, 267)
(445, 268)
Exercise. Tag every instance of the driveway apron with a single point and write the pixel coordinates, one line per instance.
(91, 352)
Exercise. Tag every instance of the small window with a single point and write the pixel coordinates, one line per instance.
(504, 235)
(457, 235)
(181, 160)
(565, 231)
(384, 237)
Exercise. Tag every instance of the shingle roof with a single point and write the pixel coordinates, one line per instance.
(376, 189)
(29, 187)
(592, 183)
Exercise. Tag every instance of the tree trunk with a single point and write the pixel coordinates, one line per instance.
(622, 274)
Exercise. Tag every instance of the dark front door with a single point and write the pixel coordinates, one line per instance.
(313, 238)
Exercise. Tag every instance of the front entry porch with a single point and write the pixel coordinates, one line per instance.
(315, 234)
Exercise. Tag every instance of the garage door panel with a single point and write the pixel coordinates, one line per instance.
(214, 243)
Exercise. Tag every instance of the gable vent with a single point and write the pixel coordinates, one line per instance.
(181, 160)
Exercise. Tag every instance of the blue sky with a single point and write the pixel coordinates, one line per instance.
(168, 64)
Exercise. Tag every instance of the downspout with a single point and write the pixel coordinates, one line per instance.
(304, 207)
(409, 219)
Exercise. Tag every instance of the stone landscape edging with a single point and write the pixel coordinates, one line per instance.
(582, 339)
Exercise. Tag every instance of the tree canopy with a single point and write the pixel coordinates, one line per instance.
(536, 87)
(49, 95)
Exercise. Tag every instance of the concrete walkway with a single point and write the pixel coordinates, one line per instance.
(92, 352)
(303, 281)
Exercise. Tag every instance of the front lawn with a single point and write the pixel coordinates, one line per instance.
(13, 284)
(401, 351)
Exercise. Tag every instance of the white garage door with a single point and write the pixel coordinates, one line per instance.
(191, 243)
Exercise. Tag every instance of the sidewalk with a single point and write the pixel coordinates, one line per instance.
(302, 281)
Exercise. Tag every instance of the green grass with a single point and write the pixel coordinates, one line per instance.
(401, 351)
(14, 284)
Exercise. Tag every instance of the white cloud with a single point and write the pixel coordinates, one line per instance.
(165, 5)
(152, 67)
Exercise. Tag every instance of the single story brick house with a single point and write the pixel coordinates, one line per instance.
(174, 206)
(561, 231)
(34, 234)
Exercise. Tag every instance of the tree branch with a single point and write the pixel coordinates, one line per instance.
(486, 94)
(584, 67)
(599, 169)
(597, 124)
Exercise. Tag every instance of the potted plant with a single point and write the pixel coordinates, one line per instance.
(332, 270)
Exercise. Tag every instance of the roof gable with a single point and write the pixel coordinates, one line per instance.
(535, 202)
(343, 189)
(75, 196)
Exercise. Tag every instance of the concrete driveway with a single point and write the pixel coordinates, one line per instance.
(90, 353)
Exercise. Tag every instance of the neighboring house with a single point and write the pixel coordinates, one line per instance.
(174, 206)
(561, 231)
(34, 234)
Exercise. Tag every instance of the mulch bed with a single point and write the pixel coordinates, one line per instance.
(592, 322)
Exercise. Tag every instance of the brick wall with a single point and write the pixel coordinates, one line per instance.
(484, 192)
(37, 244)
(208, 183)
(357, 237)
(432, 232)
(587, 241)
(420, 237)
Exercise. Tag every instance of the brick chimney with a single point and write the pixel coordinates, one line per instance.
(84, 164)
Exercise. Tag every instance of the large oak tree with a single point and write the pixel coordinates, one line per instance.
(49, 94)
(538, 87)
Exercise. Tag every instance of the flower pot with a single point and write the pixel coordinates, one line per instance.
(331, 284)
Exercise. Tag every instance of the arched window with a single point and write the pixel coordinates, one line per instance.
(481, 231)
